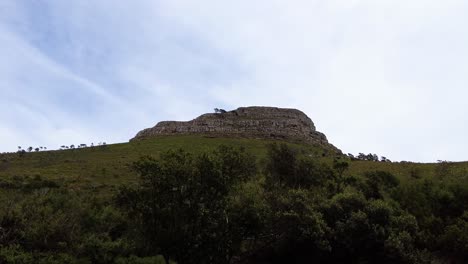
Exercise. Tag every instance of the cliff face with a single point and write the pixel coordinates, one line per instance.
(251, 122)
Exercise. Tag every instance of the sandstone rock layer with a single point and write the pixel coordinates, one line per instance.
(250, 122)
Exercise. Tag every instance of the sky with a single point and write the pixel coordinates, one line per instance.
(387, 77)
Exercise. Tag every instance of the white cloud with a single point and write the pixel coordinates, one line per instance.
(375, 76)
(382, 76)
(38, 109)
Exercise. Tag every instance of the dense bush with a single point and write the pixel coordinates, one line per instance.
(181, 206)
(222, 207)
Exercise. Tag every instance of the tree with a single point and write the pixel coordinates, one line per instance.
(181, 204)
(368, 157)
(379, 182)
(21, 152)
(340, 166)
(455, 237)
(384, 159)
(219, 111)
(286, 168)
(281, 165)
(369, 230)
(295, 229)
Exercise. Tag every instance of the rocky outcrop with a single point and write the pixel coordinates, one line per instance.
(250, 122)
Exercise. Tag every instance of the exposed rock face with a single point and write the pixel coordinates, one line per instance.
(251, 122)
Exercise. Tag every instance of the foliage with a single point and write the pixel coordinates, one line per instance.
(223, 205)
(285, 168)
(180, 207)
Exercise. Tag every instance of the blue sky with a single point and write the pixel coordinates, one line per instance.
(387, 77)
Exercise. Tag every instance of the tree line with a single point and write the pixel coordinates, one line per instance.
(22, 151)
(368, 157)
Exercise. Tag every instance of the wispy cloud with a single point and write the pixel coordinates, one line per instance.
(386, 77)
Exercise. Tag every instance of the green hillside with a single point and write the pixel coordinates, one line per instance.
(198, 199)
(109, 165)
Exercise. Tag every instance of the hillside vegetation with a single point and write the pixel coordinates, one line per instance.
(196, 199)
(109, 165)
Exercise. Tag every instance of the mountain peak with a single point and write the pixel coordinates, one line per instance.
(249, 122)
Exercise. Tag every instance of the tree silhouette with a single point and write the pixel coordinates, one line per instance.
(219, 111)
(384, 159)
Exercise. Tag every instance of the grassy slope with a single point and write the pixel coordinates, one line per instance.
(108, 166)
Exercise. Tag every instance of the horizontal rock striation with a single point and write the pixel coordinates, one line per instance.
(250, 122)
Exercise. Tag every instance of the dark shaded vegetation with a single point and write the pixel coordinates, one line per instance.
(224, 206)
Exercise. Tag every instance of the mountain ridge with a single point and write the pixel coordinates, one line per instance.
(249, 122)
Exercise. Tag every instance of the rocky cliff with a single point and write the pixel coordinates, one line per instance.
(250, 122)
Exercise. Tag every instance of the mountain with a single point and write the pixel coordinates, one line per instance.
(252, 185)
(252, 128)
(246, 122)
